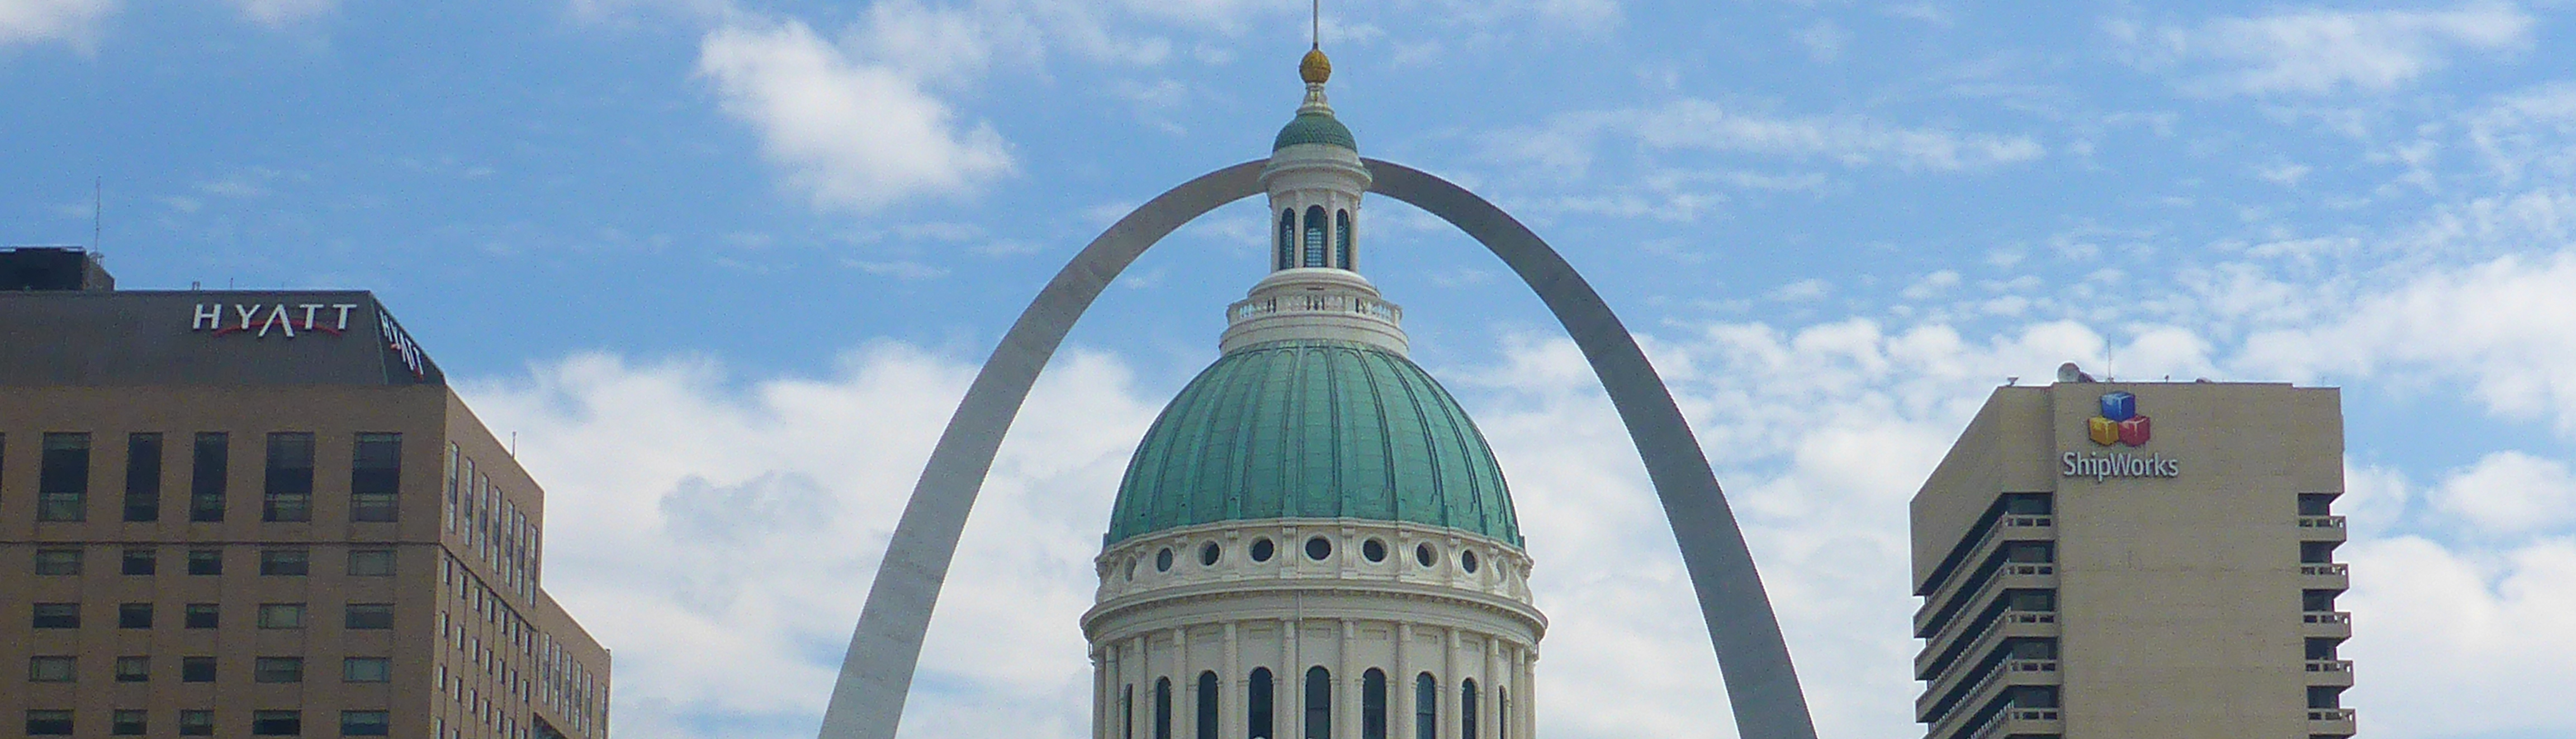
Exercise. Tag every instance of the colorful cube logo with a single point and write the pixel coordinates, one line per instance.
(2120, 422)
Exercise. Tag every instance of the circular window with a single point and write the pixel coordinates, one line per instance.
(1261, 550)
(1374, 550)
(1163, 560)
(1208, 553)
(1318, 548)
(1422, 553)
(1467, 560)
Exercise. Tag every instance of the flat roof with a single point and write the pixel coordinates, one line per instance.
(206, 337)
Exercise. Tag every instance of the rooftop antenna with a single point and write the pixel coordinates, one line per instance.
(96, 208)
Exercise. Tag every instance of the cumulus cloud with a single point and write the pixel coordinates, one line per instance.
(1568, 140)
(2511, 492)
(2316, 51)
(71, 21)
(851, 133)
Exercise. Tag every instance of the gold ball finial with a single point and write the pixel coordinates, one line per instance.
(1315, 68)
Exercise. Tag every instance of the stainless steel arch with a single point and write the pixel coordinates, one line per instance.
(876, 674)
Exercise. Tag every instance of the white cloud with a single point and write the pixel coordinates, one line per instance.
(275, 13)
(2506, 326)
(2511, 492)
(2453, 641)
(850, 133)
(1567, 142)
(71, 21)
(2317, 51)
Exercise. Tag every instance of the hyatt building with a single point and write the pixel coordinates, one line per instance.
(2116, 560)
(248, 514)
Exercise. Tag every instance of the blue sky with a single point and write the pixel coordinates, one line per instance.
(733, 259)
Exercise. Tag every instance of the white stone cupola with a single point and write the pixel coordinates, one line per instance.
(1314, 290)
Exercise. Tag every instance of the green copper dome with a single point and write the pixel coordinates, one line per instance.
(1315, 128)
(1313, 429)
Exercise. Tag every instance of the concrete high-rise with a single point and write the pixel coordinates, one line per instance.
(2116, 560)
(235, 513)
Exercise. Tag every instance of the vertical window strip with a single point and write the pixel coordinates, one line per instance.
(209, 473)
(375, 477)
(62, 477)
(287, 493)
(143, 476)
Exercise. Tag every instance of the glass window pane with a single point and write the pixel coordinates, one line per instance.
(209, 475)
(366, 669)
(62, 478)
(58, 561)
(288, 491)
(143, 477)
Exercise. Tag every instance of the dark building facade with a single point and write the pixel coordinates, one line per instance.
(237, 513)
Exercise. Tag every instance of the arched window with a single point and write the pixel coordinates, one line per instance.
(1502, 713)
(1315, 236)
(1256, 704)
(1373, 704)
(1163, 708)
(1426, 707)
(1342, 238)
(1467, 710)
(1207, 705)
(1287, 239)
(1319, 703)
(1127, 711)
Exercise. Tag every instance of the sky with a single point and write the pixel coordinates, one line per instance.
(725, 266)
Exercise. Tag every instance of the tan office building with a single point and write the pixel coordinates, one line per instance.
(2134, 561)
(249, 514)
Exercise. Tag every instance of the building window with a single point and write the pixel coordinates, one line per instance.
(369, 616)
(205, 561)
(196, 669)
(1163, 708)
(134, 615)
(1287, 239)
(209, 475)
(1163, 560)
(1319, 548)
(1426, 707)
(371, 562)
(281, 615)
(1261, 549)
(1467, 710)
(367, 670)
(62, 478)
(277, 670)
(1127, 712)
(276, 723)
(1256, 704)
(364, 723)
(51, 669)
(1422, 553)
(1502, 713)
(1314, 256)
(2316, 504)
(126, 722)
(200, 616)
(1373, 704)
(289, 562)
(1207, 715)
(1467, 560)
(196, 723)
(2317, 601)
(49, 722)
(1342, 239)
(1373, 550)
(375, 473)
(133, 669)
(58, 561)
(142, 560)
(1319, 703)
(288, 495)
(143, 477)
(57, 615)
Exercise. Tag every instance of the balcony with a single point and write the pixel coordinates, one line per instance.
(2009, 673)
(2008, 528)
(2018, 721)
(2321, 528)
(2336, 672)
(2007, 576)
(2336, 722)
(2325, 576)
(2011, 624)
(2336, 624)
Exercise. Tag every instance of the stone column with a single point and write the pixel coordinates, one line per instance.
(1290, 684)
(1399, 686)
(1346, 721)
(1448, 690)
(1229, 707)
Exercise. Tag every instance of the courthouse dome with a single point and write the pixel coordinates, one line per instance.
(1313, 429)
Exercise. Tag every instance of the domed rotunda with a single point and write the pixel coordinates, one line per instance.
(1313, 540)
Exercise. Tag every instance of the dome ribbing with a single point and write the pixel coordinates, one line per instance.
(1313, 429)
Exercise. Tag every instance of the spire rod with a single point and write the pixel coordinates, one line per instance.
(1319, 26)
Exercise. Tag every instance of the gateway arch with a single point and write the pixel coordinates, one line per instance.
(876, 674)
